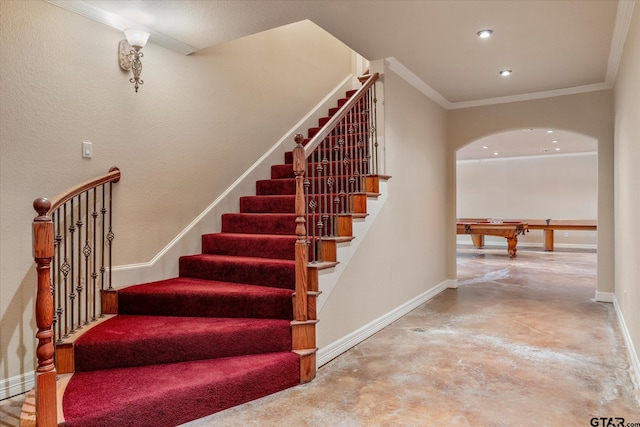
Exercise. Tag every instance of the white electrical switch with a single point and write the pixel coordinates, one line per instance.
(87, 150)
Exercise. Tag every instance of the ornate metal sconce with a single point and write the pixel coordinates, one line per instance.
(130, 54)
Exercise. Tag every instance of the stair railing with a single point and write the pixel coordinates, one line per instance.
(331, 172)
(72, 248)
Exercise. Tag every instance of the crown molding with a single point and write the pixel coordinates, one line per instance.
(397, 67)
(623, 21)
(533, 95)
(115, 21)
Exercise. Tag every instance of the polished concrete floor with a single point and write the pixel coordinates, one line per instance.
(520, 342)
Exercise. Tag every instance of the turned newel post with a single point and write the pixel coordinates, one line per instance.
(302, 257)
(46, 371)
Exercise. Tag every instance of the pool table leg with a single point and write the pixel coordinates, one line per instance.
(478, 240)
(512, 242)
(548, 239)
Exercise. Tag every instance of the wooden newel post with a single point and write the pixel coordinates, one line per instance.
(302, 257)
(46, 403)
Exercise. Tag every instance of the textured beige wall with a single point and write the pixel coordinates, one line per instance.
(197, 123)
(536, 187)
(590, 114)
(627, 178)
(402, 255)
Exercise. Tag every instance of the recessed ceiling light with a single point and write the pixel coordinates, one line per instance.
(485, 34)
(485, 147)
(557, 148)
(555, 141)
(495, 154)
(505, 73)
(550, 131)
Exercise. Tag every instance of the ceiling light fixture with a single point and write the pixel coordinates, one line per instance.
(485, 146)
(495, 154)
(505, 73)
(485, 34)
(129, 54)
(550, 131)
(557, 148)
(555, 141)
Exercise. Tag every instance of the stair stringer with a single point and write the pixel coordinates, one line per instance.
(328, 279)
(165, 263)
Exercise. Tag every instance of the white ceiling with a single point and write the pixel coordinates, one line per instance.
(528, 142)
(553, 47)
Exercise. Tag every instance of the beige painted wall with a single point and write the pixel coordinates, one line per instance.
(536, 187)
(196, 125)
(627, 180)
(401, 256)
(590, 114)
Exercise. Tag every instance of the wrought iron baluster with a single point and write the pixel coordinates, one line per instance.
(313, 204)
(86, 251)
(110, 235)
(94, 272)
(57, 297)
(103, 212)
(373, 130)
(65, 268)
(79, 225)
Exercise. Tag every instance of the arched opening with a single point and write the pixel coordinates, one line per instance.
(530, 173)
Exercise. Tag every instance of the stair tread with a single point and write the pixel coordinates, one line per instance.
(150, 340)
(139, 396)
(181, 285)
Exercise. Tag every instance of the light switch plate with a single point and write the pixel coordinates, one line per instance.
(87, 150)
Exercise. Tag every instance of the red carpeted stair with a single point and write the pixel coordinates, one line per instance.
(216, 336)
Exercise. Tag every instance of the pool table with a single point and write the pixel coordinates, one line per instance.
(548, 226)
(510, 230)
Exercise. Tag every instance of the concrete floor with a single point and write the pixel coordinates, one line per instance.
(520, 342)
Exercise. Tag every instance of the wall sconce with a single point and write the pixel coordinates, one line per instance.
(129, 54)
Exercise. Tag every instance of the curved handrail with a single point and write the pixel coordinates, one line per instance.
(112, 176)
(340, 114)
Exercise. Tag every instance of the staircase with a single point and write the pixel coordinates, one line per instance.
(221, 333)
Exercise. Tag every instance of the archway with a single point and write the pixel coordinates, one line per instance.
(530, 174)
(589, 114)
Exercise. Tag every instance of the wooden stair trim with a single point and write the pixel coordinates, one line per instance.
(305, 352)
(322, 265)
(79, 332)
(28, 410)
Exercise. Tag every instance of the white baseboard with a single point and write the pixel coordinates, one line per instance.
(336, 348)
(633, 356)
(17, 385)
(503, 243)
(604, 296)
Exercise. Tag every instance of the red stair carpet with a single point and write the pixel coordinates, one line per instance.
(216, 336)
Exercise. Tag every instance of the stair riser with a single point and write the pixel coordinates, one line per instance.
(174, 298)
(274, 204)
(249, 246)
(330, 168)
(287, 186)
(277, 275)
(283, 225)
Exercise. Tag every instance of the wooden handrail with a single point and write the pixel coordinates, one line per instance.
(340, 114)
(112, 176)
(44, 243)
